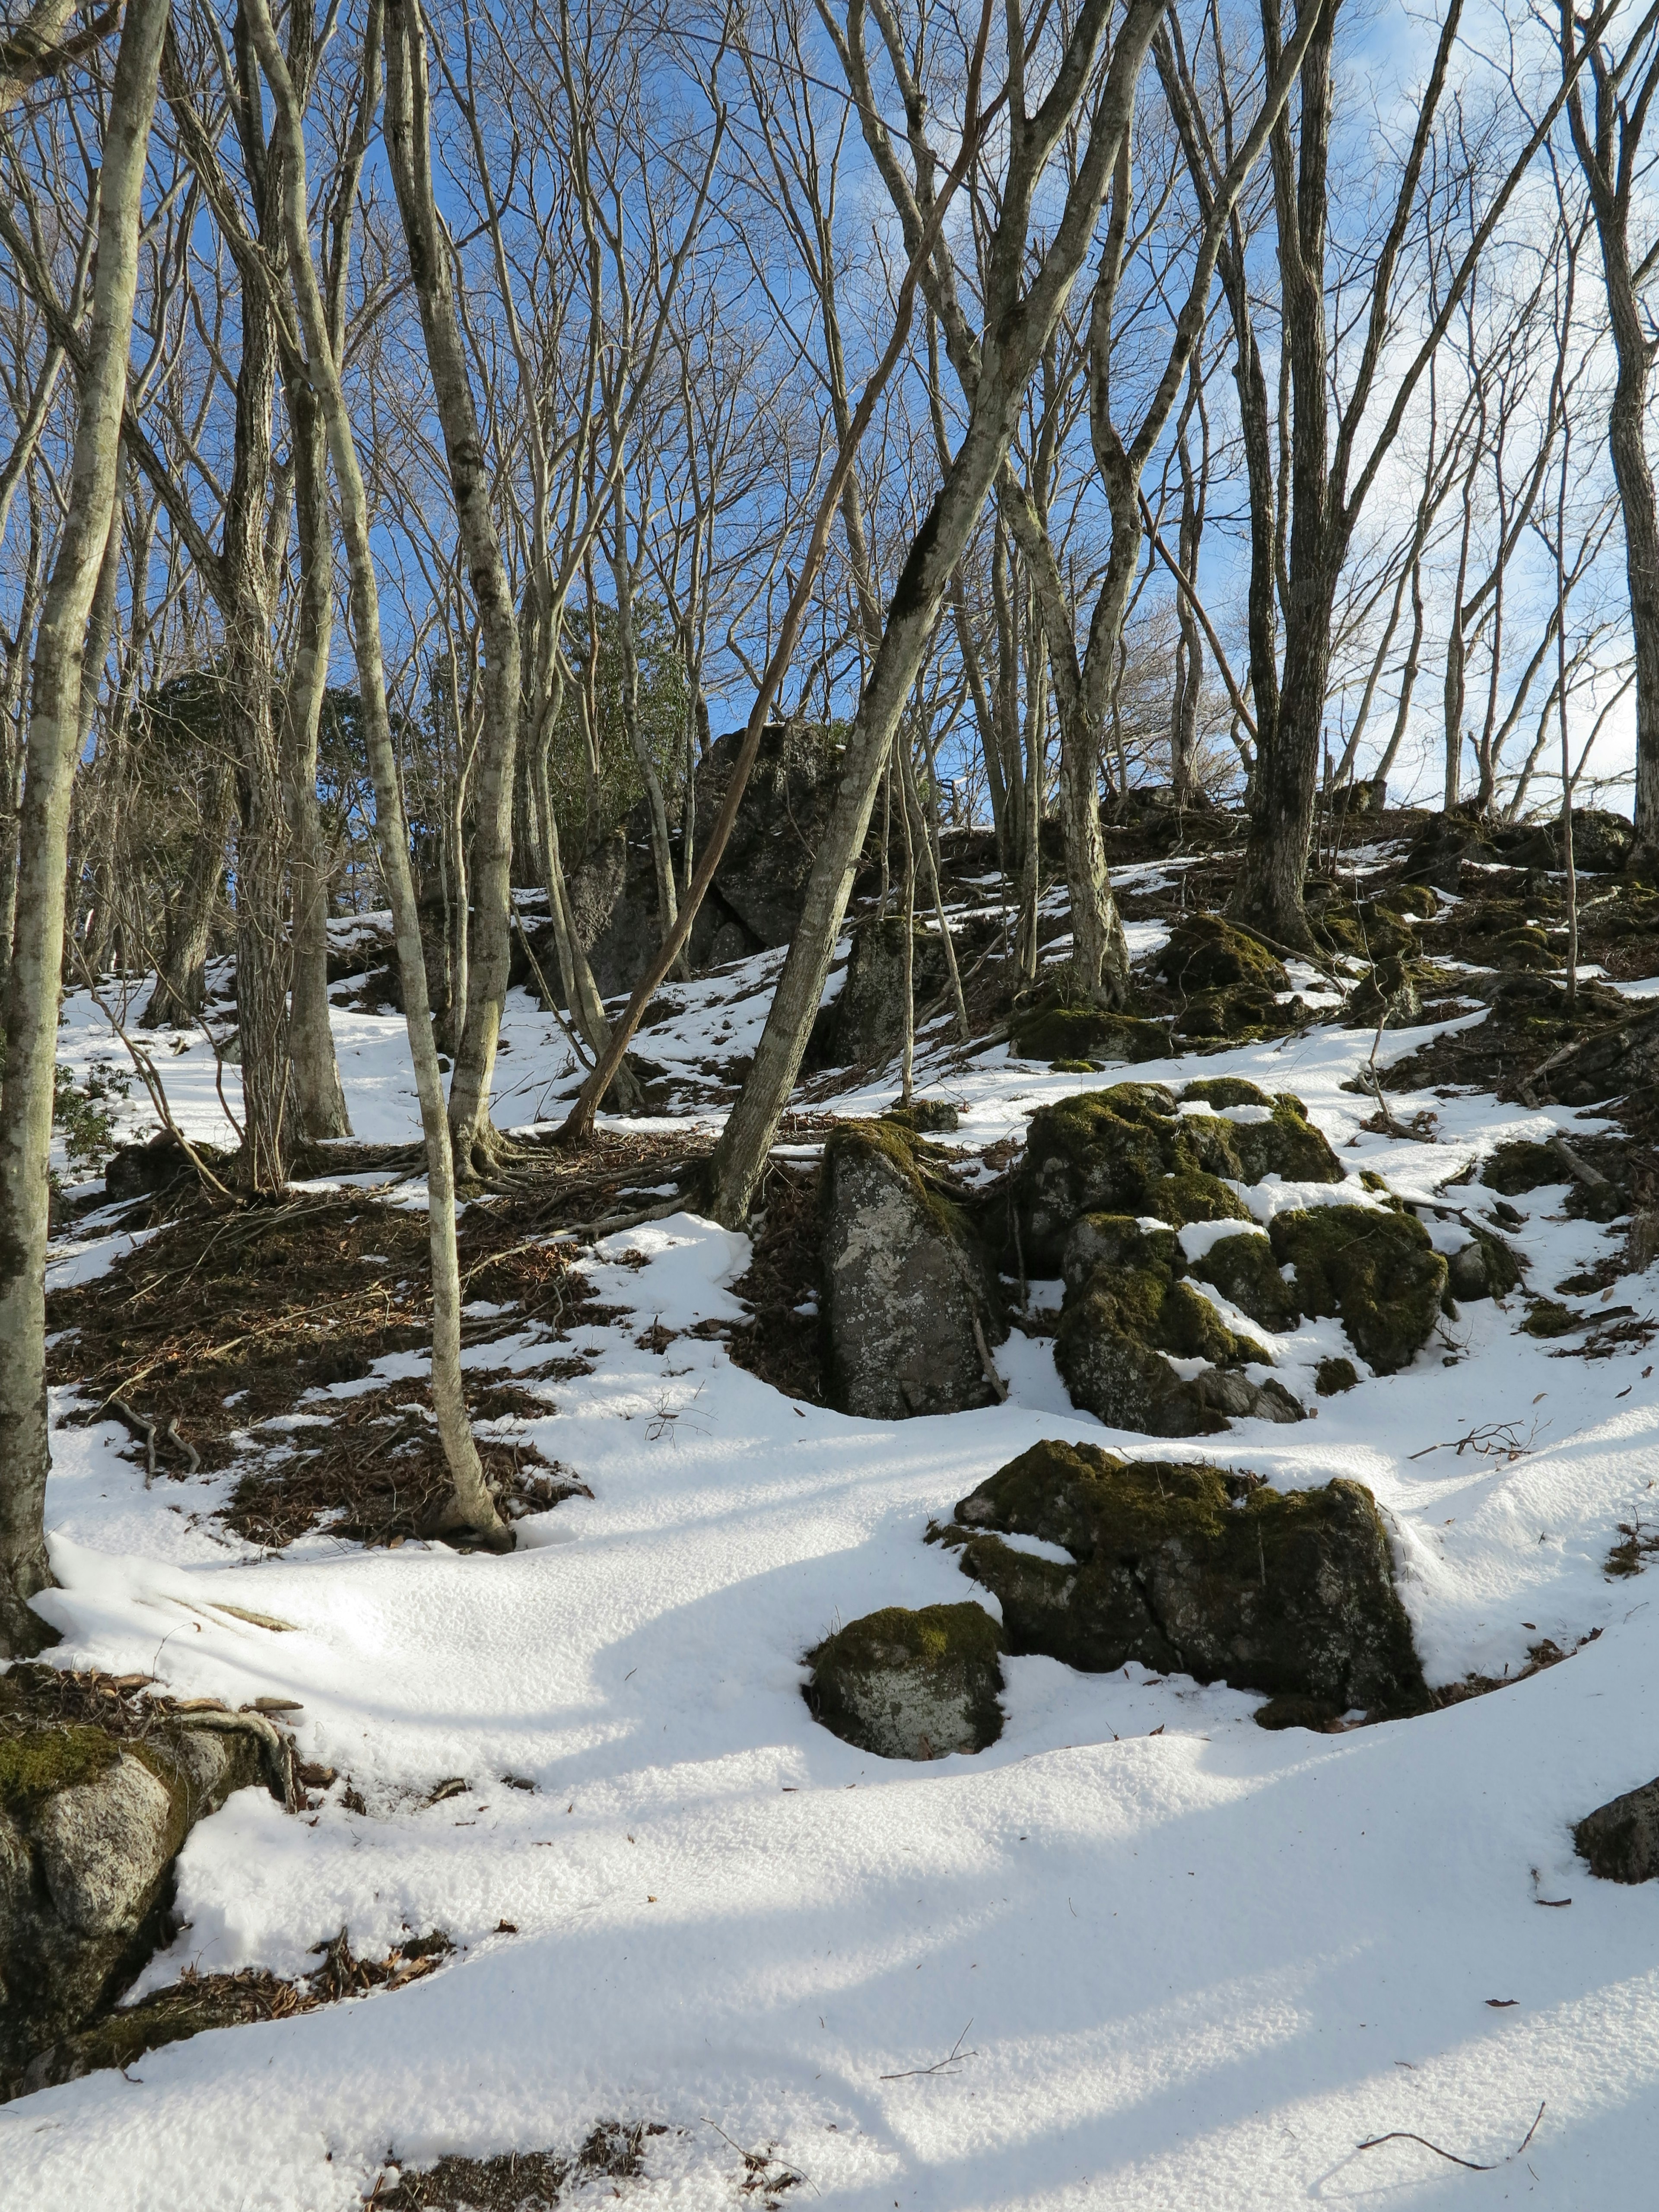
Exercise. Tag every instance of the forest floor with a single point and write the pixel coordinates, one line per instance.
(1139, 1953)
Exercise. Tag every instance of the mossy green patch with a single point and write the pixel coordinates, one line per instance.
(1207, 952)
(1051, 1032)
(1528, 949)
(1522, 1165)
(1185, 1567)
(35, 1765)
(1240, 1013)
(1374, 1268)
(1246, 1272)
(1333, 1376)
(1549, 1317)
(912, 1685)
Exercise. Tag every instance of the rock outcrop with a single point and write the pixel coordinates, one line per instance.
(1372, 1267)
(910, 1303)
(1131, 1149)
(867, 1024)
(912, 1685)
(90, 1826)
(1188, 1569)
(755, 900)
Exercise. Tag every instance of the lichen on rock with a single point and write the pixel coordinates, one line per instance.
(1188, 1569)
(910, 1303)
(912, 1685)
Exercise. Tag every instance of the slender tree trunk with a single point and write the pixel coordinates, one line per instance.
(26, 1095)
(319, 1103)
(409, 148)
(472, 1509)
(180, 991)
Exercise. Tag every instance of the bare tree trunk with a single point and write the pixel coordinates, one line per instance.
(471, 1510)
(1609, 153)
(409, 149)
(26, 1095)
(319, 1097)
(180, 991)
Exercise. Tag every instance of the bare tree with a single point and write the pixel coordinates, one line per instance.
(27, 1091)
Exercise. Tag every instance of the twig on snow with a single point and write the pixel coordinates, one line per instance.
(1470, 2165)
(956, 2057)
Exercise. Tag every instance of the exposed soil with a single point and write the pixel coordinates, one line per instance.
(780, 1345)
(519, 2181)
(197, 2003)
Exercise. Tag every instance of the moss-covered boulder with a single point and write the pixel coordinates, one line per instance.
(1246, 1273)
(1486, 1268)
(1520, 1165)
(89, 1827)
(1207, 952)
(1054, 1031)
(912, 1685)
(1526, 948)
(1374, 1267)
(1129, 1311)
(1265, 1134)
(1238, 1015)
(1141, 1148)
(1188, 1569)
(1415, 899)
(910, 1305)
(1365, 931)
(1334, 1376)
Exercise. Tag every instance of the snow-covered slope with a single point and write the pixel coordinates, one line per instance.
(1140, 1953)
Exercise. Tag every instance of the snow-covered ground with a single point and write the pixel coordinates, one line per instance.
(1179, 1961)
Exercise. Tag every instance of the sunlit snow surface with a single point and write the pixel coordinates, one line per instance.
(1185, 1962)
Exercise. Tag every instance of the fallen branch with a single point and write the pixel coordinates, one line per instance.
(1472, 2165)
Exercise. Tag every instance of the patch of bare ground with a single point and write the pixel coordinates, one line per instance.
(197, 2001)
(782, 1344)
(1544, 1653)
(216, 1329)
(517, 2180)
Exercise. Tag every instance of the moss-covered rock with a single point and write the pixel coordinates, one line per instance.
(1365, 931)
(1416, 900)
(910, 1305)
(1333, 1376)
(1188, 1569)
(1244, 1270)
(90, 1824)
(1051, 1031)
(927, 1117)
(1206, 952)
(1373, 1267)
(1486, 1268)
(1239, 1014)
(1522, 1165)
(1129, 1149)
(912, 1685)
(1128, 1310)
(1524, 948)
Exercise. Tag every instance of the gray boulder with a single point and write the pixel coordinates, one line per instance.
(1193, 1569)
(912, 1685)
(910, 1307)
(1620, 1840)
(89, 1828)
(869, 1015)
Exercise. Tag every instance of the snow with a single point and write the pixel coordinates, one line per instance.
(1180, 1960)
